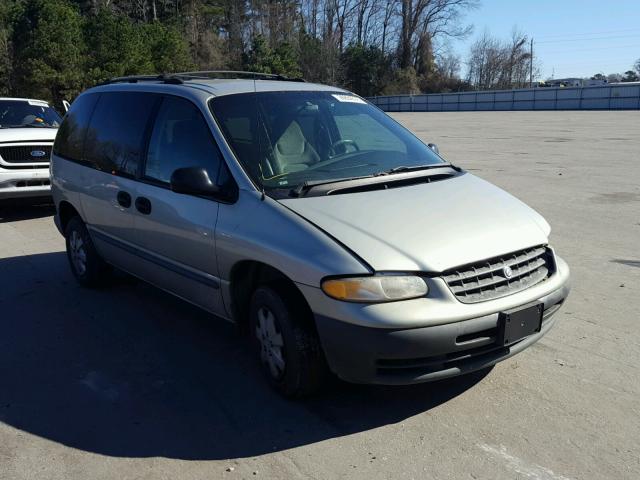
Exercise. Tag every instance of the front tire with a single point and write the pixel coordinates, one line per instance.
(86, 264)
(286, 342)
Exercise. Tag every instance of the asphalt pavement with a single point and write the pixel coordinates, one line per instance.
(128, 382)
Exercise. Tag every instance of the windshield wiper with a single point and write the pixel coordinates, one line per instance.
(302, 189)
(412, 168)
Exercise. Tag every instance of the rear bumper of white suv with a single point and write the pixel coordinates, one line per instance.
(19, 183)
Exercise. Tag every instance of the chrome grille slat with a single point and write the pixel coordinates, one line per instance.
(457, 286)
(498, 265)
(485, 280)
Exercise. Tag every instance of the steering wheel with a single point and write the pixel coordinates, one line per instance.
(345, 142)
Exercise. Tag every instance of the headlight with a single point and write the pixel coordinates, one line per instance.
(378, 288)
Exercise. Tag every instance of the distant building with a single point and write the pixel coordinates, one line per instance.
(573, 82)
(592, 83)
(564, 82)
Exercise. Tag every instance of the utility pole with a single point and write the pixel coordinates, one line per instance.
(531, 66)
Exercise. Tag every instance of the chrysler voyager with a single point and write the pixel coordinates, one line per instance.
(329, 233)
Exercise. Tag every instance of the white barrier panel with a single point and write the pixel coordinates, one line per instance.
(605, 97)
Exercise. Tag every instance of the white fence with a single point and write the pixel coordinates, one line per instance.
(605, 97)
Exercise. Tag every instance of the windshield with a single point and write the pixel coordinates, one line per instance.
(22, 113)
(284, 139)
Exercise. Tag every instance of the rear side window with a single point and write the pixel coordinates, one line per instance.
(71, 135)
(180, 138)
(115, 140)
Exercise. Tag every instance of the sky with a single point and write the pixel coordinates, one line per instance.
(572, 38)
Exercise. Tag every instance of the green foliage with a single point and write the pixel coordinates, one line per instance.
(166, 48)
(115, 46)
(365, 69)
(404, 81)
(282, 60)
(260, 57)
(57, 53)
(120, 47)
(630, 76)
(318, 60)
(5, 63)
(49, 50)
(5, 47)
(54, 49)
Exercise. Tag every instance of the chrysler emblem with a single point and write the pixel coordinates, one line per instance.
(508, 272)
(38, 153)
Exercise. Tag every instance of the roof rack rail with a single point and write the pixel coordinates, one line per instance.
(166, 78)
(212, 74)
(180, 78)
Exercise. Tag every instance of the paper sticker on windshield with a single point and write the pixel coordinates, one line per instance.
(347, 98)
(38, 104)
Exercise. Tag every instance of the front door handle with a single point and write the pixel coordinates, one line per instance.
(143, 205)
(124, 199)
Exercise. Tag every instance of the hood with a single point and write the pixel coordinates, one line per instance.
(27, 134)
(428, 227)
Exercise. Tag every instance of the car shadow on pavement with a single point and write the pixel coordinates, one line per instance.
(130, 371)
(24, 209)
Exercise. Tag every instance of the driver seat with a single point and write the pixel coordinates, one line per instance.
(293, 152)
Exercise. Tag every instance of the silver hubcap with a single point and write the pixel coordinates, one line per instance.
(271, 343)
(78, 253)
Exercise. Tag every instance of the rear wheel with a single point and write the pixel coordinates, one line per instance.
(286, 342)
(86, 264)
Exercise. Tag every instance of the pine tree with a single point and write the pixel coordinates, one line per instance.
(48, 50)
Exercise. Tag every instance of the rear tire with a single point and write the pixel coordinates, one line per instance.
(86, 264)
(286, 343)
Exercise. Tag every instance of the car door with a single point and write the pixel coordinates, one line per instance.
(114, 148)
(177, 230)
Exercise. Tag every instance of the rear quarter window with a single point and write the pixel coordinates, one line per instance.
(71, 134)
(115, 140)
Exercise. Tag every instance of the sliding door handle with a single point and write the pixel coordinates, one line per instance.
(124, 199)
(143, 205)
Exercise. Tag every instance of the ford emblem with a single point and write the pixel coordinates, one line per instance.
(508, 272)
(38, 153)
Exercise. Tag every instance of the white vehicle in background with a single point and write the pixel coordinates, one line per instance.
(27, 130)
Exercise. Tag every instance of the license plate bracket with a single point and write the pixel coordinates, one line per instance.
(520, 322)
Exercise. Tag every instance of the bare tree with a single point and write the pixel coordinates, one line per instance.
(343, 10)
(389, 11)
(428, 17)
(495, 64)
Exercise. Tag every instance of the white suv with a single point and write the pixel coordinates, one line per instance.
(27, 130)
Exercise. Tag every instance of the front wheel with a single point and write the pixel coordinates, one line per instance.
(286, 342)
(86, 264)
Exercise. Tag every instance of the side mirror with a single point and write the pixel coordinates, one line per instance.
(434, 147)
(193, 181)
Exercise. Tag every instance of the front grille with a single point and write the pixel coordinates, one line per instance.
(24, 154)
(488, 279)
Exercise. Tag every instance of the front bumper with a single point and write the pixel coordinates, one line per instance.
(369, 354)
(21, 183)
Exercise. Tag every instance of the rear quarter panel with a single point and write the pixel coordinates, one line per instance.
(66, 182)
